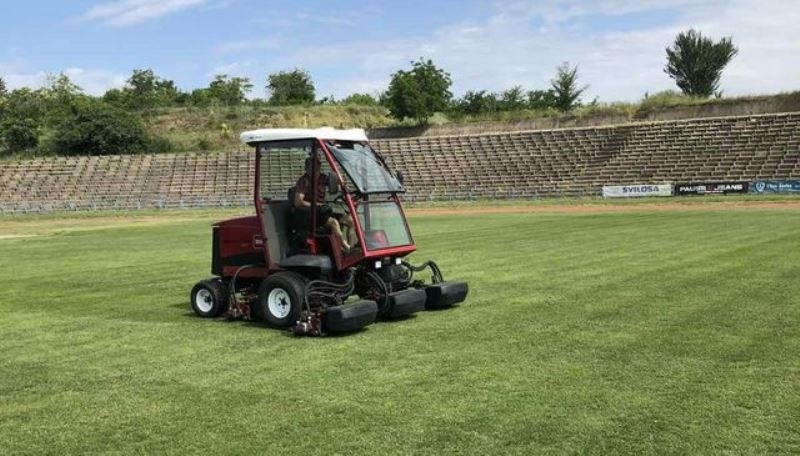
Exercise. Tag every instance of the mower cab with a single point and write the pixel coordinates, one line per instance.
(325, 251)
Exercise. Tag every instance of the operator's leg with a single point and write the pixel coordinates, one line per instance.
(333, 225)
(347, 222)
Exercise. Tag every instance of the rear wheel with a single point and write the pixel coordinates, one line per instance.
(209, 298)
(280, 299)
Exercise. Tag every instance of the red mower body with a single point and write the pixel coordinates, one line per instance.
(289, 268)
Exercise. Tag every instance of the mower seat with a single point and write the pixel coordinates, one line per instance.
(276, 223)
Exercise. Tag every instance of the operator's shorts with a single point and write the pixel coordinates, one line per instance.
(303, 215)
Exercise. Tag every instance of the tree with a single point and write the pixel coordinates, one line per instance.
(19, 135)
(61, 91)
(229, 91)
(565, 87)
(696, 62)
(541, 99)
(290, 88)
(513, 99)
(95, 128)
(418, 93)
(201, 97)
(145, 90)
(475, 103)
(24, 111)
(24, 103)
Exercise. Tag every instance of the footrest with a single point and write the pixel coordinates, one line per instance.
(445, 294)
(350, 317)
(404, 303)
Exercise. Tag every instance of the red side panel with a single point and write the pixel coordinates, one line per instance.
(239, 242)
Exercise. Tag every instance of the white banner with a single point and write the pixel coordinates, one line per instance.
(630, 191)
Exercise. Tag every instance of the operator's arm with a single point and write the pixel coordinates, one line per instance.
(299, 200)
(300, 190)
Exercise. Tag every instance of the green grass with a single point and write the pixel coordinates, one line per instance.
(638, 333)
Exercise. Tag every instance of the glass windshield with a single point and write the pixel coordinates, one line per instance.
(383, 224)
(363, 167)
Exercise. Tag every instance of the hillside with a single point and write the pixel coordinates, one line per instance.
(217, 128)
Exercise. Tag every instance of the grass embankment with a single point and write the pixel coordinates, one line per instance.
(216, 129)
(207, 129)
(642, 332)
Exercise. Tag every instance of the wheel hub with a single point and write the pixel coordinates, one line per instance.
(279, 303)
(204, 300)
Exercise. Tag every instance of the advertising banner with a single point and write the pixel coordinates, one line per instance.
(786, 186)
(632, 191)
(711, 188)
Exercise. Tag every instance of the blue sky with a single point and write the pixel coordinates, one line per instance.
(353, 46)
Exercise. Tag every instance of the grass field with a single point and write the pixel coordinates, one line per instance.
(639, 332)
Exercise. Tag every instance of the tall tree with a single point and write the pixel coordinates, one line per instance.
(230, 91)
(419, 92)
(565, 87)
(696, 62)
(146, 90)
(290, 88)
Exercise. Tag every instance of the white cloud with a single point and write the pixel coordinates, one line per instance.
(524, 42)
(93, 81)
(563, 10)
(127, 12)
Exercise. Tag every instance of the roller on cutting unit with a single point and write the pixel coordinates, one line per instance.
(326, 251)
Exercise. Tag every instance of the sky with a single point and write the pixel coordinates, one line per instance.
(353, 46)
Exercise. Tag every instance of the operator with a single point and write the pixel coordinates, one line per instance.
(325, 214)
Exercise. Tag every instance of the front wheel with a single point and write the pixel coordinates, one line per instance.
(280, 299)
(209, 298)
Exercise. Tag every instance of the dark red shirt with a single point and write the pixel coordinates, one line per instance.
(304, 185)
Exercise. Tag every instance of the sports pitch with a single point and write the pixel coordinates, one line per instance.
(641, 331)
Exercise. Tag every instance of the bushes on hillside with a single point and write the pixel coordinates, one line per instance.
(96, 128)
(61, 119)
(484, 103)
(19, 135)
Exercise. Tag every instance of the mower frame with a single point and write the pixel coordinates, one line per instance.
(250, 255)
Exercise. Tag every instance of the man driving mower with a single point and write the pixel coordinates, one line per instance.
(326, 217)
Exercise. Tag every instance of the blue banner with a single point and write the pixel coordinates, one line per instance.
(787, 186)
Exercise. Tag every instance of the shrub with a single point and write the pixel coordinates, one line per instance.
(668, 98)
(96, 128)
(20, 135)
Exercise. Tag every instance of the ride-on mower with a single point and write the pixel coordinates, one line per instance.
(292, 267)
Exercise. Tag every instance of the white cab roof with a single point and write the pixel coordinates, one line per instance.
(283, 134)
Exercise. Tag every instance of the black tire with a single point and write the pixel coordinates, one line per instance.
(209, 298)
(285, 290)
